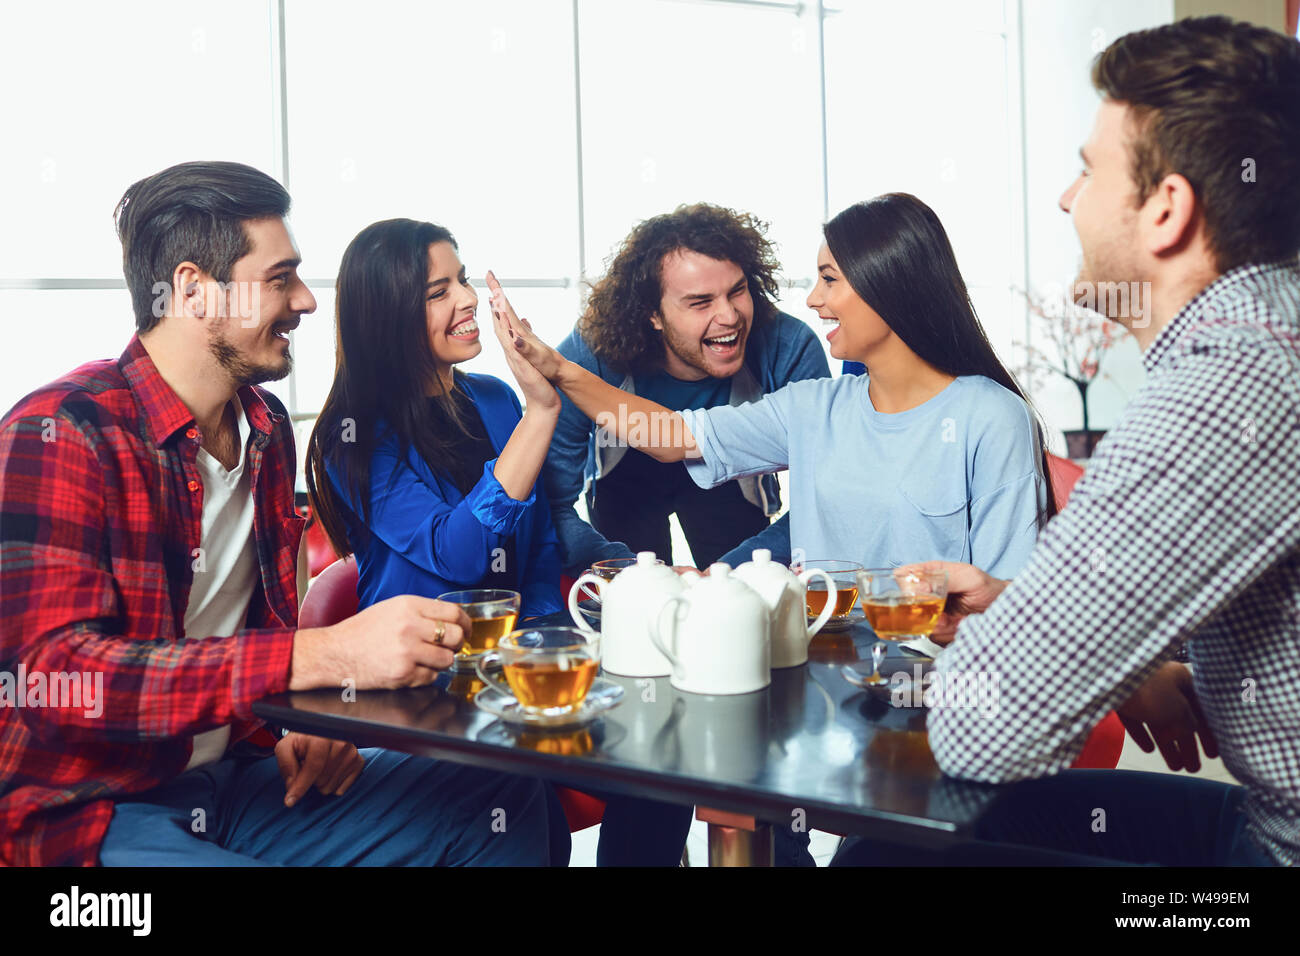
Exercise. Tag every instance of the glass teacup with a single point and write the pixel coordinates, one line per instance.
(844, 574)
(547, 669)
(607, 570)
(902, 605)
(492, 615)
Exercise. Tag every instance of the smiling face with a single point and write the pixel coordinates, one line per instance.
(449, 308)
(856, 330)
(251, 318)
(705, 315)
(1101, 201)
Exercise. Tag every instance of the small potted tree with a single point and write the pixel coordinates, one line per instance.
(1079, 339)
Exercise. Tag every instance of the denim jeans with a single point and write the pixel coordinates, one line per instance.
(401, 811)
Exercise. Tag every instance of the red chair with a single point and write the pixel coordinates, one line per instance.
(320, 553)
(1106, 742)
(333, 597)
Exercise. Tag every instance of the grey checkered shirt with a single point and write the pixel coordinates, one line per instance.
(1185, 525)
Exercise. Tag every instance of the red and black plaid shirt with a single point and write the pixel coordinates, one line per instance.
(100, 518)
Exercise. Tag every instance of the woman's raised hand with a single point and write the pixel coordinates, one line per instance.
(519, 337)
(537, 389)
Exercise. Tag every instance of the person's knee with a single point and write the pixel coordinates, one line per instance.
(512, 826)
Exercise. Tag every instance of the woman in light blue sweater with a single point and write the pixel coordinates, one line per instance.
(934, 453)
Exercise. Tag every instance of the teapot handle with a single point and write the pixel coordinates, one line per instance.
(655, 633)
(574, 611)
(825, 615)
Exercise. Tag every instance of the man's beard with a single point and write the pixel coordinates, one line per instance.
(1109, 263)
(693, 353)
(241, 371)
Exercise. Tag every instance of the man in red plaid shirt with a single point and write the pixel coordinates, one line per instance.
(148, 591)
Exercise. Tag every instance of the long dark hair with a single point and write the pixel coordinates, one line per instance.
(895, 254)
(382, 370)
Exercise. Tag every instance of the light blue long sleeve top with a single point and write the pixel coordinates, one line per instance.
(957, 478)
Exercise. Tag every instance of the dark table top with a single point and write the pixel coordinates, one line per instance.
(811, 741)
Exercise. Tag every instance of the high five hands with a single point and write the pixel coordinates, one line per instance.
(538, 391)
(519, 340)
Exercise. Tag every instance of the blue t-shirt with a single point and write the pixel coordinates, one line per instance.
(957, 478)
(676, 394)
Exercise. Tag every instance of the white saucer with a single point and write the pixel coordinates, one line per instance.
(604, 695)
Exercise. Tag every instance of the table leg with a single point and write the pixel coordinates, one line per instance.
(736, 839)
(732, 846)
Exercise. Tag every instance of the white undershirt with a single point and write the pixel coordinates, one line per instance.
(224, 582)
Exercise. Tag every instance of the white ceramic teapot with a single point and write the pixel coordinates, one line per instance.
(628, 607)
(784, 593)
(716, 634)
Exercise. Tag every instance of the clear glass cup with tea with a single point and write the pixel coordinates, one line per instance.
(902, 605)
(607, 570)
(549, 670)
(845, 576)
(492, 615)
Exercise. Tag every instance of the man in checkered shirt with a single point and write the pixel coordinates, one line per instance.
(1186, 524)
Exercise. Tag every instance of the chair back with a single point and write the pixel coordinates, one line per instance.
(332, 596)
(1065, 474)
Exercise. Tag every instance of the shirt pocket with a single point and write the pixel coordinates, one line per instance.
(935, 526)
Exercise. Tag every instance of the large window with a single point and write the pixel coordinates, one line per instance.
(95, 98)
(538, 131)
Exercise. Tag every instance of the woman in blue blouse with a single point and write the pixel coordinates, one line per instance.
(933, 453)
(429, 475)
(426, 473)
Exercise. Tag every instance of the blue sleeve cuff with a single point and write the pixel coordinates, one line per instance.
(494, 509)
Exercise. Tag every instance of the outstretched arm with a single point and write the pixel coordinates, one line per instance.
(658, 431)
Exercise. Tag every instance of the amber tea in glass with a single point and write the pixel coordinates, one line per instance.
(902, 605)
(549, 670)
(492, 615)
(844, 574)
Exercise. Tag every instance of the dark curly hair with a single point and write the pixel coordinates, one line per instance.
(616, 324)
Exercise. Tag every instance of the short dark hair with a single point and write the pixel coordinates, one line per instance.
(194, 212)
(1209, 94)
(616, 323)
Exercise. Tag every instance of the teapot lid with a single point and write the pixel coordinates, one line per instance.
(647, 569)
(769, 578)
(720, 583)
(763, 568)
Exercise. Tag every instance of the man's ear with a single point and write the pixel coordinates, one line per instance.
(189, 291)
(657, 320)
(1169, 217)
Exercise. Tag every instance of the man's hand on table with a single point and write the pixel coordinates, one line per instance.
(332, 765)
(401, 642)
(970, 591)
(1165, 708)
